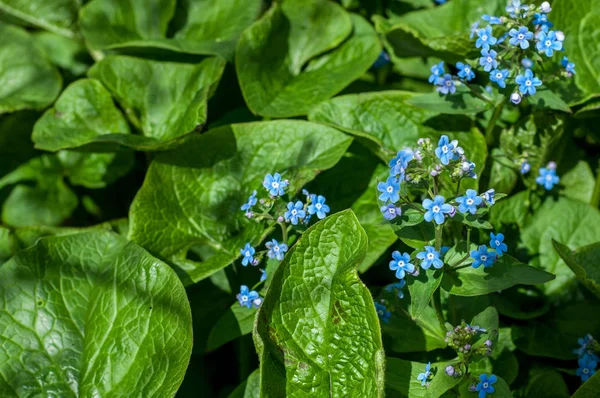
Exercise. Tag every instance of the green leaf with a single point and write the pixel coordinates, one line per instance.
(521, 302)
(590, 388)
(27, 79)
(546, 99)
(463, 102)
(66, 53)
(565, 220)
(503, 176)
(297, 55)
(89, 307)
(237, 321)
(584, 262)
(16, 147)
(315, 306)
(203, 27)
(164, 100)
(192, 195)
(401, 376)
(505, 273)
(58, 16)
(580, 25)
(488, 320)
(83, 112)
(555, 334)
(546, 383)
(421, 290)
(250, 388)
(579, 182)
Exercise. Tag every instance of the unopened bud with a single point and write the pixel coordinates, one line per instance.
(280, 219)
(450, 370)
(545, 7)
(560, 36)
(551, 165)
(515, 98)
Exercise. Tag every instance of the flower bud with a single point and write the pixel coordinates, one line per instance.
(418, 154)
(545, 7)
(280, 219)
(262, 201)
(488, 343)
(515, 98)
(433, 173)
(472, 388)
(527, 63)
(560, 36)
(551, 165)
(249, 214)
(255, 262)
(452, 212)
(438, 167)
(450, 370)
(467, 347)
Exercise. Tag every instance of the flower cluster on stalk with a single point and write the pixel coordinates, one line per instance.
(275, 209)
(586, 357)
(510, 47)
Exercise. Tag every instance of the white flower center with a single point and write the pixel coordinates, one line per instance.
(380, 312)
(430, 256)
(445, 149)
(484, 37)
(483, 258)
(401, 263)
(318, 206)
(548, 177)
(275, 248)
(392, 210)
(275, 184)
(497, 243)
(467, 70)
(548, 43)
(489, 60)
(521, 36)
(528, 83)
(586, 370)
(485, 385)
(469, 201)
(247, 253)
(448, 83)
(294, 212)
(244, 298)
(390, 189)
(436, 209)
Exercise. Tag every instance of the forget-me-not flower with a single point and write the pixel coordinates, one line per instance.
(445, 85)
(382, 60)
(422, 377)
(499, 76)
(251, 202)
(525, 167)
(547, 43)
(294, 212)
(390, 211)
(569, 66)
(497, 242)
(397, 287)
(274, 184)
(488, 60)
(541, 19)
(248, 253)
(382, 312)
(585, 344)
(401, 264)
(276, 250)
(485, 384)
(474, 29)
(515, 7)
(488, 196)
(491, 19)
(485, 38)
(527, 63)
(520, 37)
(436, 72)
(318, 206)
(587, 366)
(469, 202)
(246, 296)
(430, 257)
(547, 178)
(436, 209)
(263, 275)
(389, 190)
(465, 71)
(483, 257)
(545, 7)
(445, 150)
(399, 163)
(528, 82)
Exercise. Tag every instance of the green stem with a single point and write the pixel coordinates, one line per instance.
(489, 131)
(284, 232)
(438, 238)
(468, 238)
(596, 195)
(437, 304)
(478, 95)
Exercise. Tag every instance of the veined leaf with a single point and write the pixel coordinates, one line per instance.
(401, 376)
(58, 16)
(584, 262)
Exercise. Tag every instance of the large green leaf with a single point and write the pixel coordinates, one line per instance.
(590, 388)
(568, 221)
(579, 182)
(421, 290)
(250, 388)
(66, 53)
(84, 111)
(58, 16)
(165, 100)
(16, 147)
(202, 26)
(92, 314)
(280, 60)
(27, 79)
(237, 321)
(401, 376)
(192, 195)
(582, 38)
(547, 383)
(317, 331)
(463, 102)
(584, 262)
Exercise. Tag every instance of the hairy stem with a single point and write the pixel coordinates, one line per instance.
(489, 131)
(284, 232)
(437, 304)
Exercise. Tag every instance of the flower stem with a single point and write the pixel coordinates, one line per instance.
(437, 304)
(489, 131)
(284, 232)
(596, 195)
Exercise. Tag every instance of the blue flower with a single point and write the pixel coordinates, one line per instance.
(263, 275)
(430, 257)
(441, 1)
(473, 30)
(436, 72)
(246, 297)
(499, 76)
(251, 202)
(382, 312)
(502, 38)
(547, 178)
(527, 63)
(564, 61)
(390, 211)
(485, 385)
(382, 60)
(587, 366)
(398, 286)
(276, 250)
(548, 43)
(294, 212)
(570, 68)
(520, 37)
(274, 185)
(465, 71)
(485, 39)
(399, 163)
(469, 202)
(488, 60)
(496, 242)
(446, 85)
(444, 150)
(389, 190)
(444, 249)
(491, 19)
(525, 167)
(422, 377)
(585, 344)
(482, 256)
(401, 264)
(488, 196)
(436, 209)
(528, 82)
(541, 19)
(515, 7)
(318, 206)
(248, 253)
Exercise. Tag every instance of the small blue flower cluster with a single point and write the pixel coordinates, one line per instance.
(587, 358)
(484, 386)
(382, 312)
(482, 256)
(463, 336)
(249, 298)
(424, 377)
(524, 26)
(547, 177)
